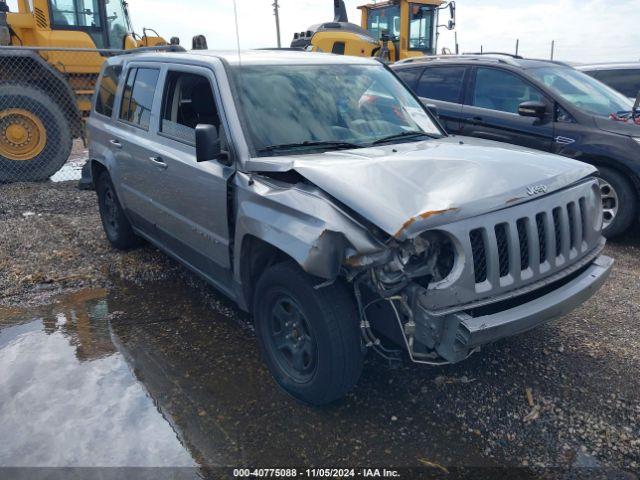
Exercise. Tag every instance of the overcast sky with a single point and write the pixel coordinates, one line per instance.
(584, 30)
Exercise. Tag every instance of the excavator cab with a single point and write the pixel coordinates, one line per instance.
(392, 30)
(99, 24)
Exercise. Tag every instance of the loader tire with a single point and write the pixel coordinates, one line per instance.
(35, 138)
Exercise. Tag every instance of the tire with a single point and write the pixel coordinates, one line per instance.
(115, 223)
(42, 139)
(327, 329)
(619, 201)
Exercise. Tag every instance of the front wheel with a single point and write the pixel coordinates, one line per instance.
(619, 202)
(310, 338)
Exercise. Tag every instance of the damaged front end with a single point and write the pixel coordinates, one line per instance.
(446, 281)
(388, 285)
(445, 292)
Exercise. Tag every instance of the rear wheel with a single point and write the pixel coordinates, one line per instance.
(619, 202)
(310, 338)
(114, 221)
(35, 138)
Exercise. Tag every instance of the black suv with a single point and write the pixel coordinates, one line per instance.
(539, 104)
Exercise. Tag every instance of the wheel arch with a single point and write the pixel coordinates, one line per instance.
(256, 255)
(27, 67)
(621, 168)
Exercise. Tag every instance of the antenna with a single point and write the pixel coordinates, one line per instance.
(276, 12)
(235, 14)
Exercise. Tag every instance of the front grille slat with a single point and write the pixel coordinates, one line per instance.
(565, 234)
(502, 242)
(523, 243)
(479, 252)
(493, 257)
(542, 236)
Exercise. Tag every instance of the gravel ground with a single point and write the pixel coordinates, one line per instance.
(565, 395)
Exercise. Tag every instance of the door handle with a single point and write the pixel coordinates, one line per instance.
(158, 162)
(477, 120)
(115, 143)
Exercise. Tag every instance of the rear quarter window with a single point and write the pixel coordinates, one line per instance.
(107, 90)
(442, 83)
(410, 76)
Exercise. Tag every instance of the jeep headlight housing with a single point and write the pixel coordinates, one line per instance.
(429, 258)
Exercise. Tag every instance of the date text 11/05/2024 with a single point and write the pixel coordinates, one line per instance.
(316, 473)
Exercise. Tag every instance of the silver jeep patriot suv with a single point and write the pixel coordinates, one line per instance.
(319, 194)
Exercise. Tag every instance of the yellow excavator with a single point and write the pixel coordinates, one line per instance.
(51, 52)
(391, 30)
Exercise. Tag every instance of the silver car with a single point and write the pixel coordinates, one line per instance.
(319, 194)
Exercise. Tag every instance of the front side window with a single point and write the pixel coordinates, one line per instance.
(442, 83)
(503, 91)
(188, 101)
(76, 13)
(107, 90)
(138, 94)
(384, 20)
(315, 106)
(627, 82)
(582, 91)
(421, 19)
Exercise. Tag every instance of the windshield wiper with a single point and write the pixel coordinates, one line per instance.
(334, 145)
(401, 135)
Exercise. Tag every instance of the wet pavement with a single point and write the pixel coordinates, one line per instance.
(148, 376)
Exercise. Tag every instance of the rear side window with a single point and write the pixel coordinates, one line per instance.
(107, 90)
(503, 91)
(442, 83)
(410, 76)
(137, 98)
(626, 82)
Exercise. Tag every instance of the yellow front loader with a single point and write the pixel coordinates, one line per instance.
(391, 30)
(51, 52)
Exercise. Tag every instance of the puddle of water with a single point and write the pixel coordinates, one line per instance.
(153, 376)
(70, 399)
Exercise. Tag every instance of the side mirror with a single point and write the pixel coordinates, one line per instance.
(207, 143)
(532, 109)
(433, 109)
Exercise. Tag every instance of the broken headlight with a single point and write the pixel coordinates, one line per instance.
(429, 258)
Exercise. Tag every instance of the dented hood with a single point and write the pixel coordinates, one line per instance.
(407, 188)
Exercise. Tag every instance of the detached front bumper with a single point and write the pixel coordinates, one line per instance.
(460, 332)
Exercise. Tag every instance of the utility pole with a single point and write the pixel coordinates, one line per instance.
(276, 12)
(517, 46)
(553, 49)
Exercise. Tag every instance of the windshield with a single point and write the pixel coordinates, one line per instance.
(582, 91)
(347, 105)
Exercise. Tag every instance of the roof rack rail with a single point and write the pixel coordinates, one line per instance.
(157, 48)
(464, 56)
(517, 57)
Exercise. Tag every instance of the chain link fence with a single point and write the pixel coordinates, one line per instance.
(45, 99)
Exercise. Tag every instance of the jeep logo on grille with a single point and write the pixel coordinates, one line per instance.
(536, 190)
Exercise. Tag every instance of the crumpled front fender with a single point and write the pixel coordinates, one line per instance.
(302, 222)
